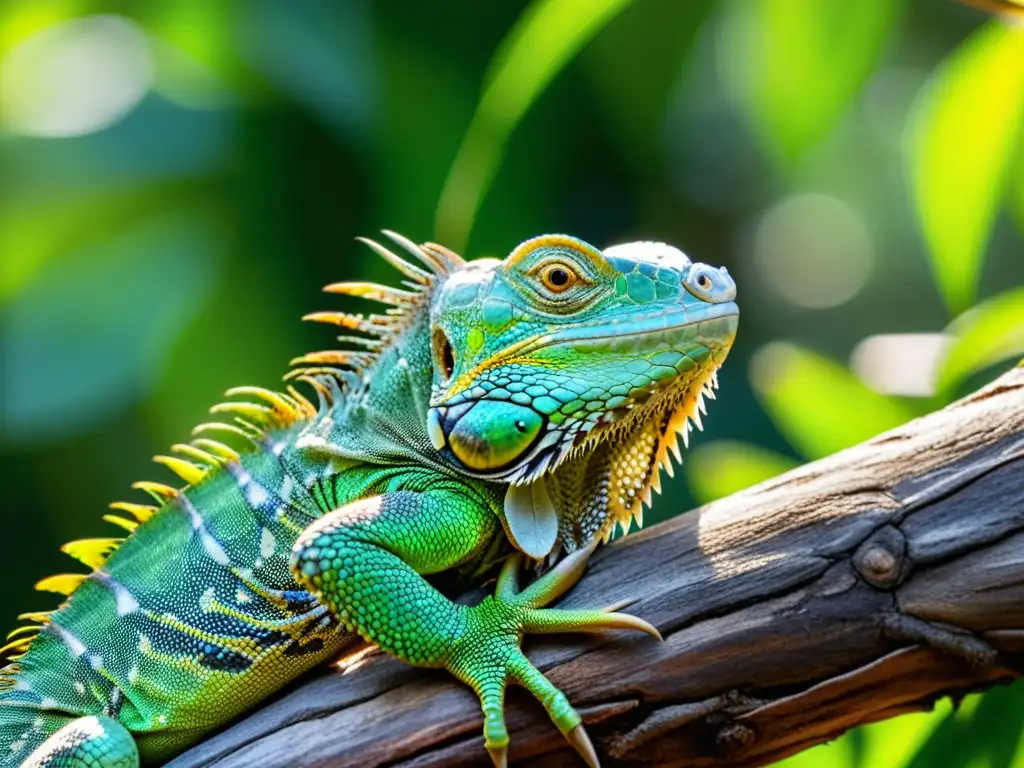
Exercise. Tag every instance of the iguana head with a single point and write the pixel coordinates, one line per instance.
(567, 372)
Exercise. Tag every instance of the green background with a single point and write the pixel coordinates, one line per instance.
(174, 197)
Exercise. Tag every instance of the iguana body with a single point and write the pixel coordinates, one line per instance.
(532, 401)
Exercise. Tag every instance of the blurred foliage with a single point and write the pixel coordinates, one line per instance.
(181, 177)
(964, 133)
(724, 467)
(789, 101)
(800, 390)
(990, 332)
(542, 41)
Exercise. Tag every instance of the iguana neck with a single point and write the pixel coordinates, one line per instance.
(382, 419)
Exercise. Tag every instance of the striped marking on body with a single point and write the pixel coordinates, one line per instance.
(211, 546)
(124, 602)
(273, 508)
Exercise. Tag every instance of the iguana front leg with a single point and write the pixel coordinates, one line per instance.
(364, 562)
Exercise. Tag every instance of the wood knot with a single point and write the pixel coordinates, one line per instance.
(879, 560)
(735, 738)
(878, 565)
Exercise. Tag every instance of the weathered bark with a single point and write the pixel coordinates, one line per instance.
(852, 589)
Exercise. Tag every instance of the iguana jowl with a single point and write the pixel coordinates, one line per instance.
(532, 400)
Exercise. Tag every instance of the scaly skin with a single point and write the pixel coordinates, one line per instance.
(526, 403)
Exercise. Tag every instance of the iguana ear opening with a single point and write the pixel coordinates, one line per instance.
(444, 354)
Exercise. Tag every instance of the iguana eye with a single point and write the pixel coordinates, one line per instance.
(558, 277)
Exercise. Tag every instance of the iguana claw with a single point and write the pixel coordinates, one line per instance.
(499, 756)
(581, 742)
(577, 737)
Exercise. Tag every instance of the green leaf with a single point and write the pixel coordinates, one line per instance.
(724, 467)
(998, 724)
(982, 336)
(948, 744)
(818, 405)
(541, 43)
(961, 141)
(887, 743)
(895, 741)
(795, 65)
(834, 754)
(985, 734)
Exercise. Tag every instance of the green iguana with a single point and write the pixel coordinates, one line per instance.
(532, 400)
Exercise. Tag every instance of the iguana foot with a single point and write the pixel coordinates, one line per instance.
(487, 654)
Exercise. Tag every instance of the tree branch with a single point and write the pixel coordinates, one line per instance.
(856, 588)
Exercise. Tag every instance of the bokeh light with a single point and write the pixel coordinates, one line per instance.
(813, 250)
(76, 77)
(900, 363)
